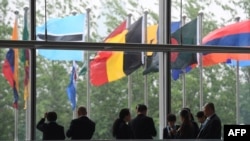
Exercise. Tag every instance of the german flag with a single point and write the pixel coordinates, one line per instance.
(109, 66)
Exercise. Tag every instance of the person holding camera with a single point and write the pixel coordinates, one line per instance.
(51, 130)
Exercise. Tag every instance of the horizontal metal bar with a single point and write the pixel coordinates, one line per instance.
(120, 47)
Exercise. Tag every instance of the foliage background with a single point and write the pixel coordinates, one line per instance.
(106, 101)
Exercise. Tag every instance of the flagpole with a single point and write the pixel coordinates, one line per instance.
(237, 19)
(184, 100)
(27, 112)
(16, 108)
(144, 41)
(129, 76)
(73, 64)
(199, 42)
(87, 55)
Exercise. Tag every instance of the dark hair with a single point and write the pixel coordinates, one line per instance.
(185, 115)
(141, 108)
(51, 116)
(200, 114)
(189, 111)
(210, 105)
(82, 110)
(123, 113)
(186, 122)
(171, 117)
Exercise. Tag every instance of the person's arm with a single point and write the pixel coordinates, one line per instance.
(92, 128)
(152, 127)
(70, 130)
(63, 134)
(40, 124)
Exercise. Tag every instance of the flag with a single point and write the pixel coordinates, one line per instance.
(70, 28)
(236, 34)
(185, 35)
(83, 70)
(25, 60)
(10, 67)
(153, 60)
(110, 66)
(71, 89)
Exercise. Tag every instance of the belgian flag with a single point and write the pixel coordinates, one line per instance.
(109, 66)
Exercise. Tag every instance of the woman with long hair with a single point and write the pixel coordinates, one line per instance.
(186, 130)
(121, 129)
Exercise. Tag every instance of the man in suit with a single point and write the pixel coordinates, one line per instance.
(142, 126)
(212, 125)
(81, 128)
(51, 130)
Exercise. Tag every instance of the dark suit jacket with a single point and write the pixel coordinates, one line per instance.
(81, 128)
(51, 131)
(166, 134)
(143, 127)
(212, 129)
(124, 131)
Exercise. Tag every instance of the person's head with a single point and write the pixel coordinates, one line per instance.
(208, 109)
(141, 109)
(185, 116)
(125, 114)
(171, 119)
(51, 116)
(190, 113)
(200, 117)
(82, 111)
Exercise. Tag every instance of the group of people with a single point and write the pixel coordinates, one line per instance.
(140, 127)
(80, 128)
(209, 128)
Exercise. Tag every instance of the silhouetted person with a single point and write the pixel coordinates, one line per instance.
(170, 131)
(201, 118)
(121, 130)
(143, 126)
(186, 130)
(212, 125)
(196, 126)
(51, 130)
(82, 127)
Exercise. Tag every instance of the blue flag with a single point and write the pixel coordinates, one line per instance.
(71, 89)
(70, 28)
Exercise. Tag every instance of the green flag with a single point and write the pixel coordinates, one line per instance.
(186, 35)
(25, 34)
(83, 70)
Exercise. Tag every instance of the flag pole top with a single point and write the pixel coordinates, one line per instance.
(200, 13)
(26, 8)
(16, 12)
(145, 11)
(129, 15)
(88, 10)
(73, 13)
(237, 19)
(184, 16)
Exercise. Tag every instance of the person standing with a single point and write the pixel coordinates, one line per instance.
(201, 118)
(212, 125)
(143, 126)
(82, 127)
(169, 132)
(121, 130)
(187, 129)
(51, 130)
